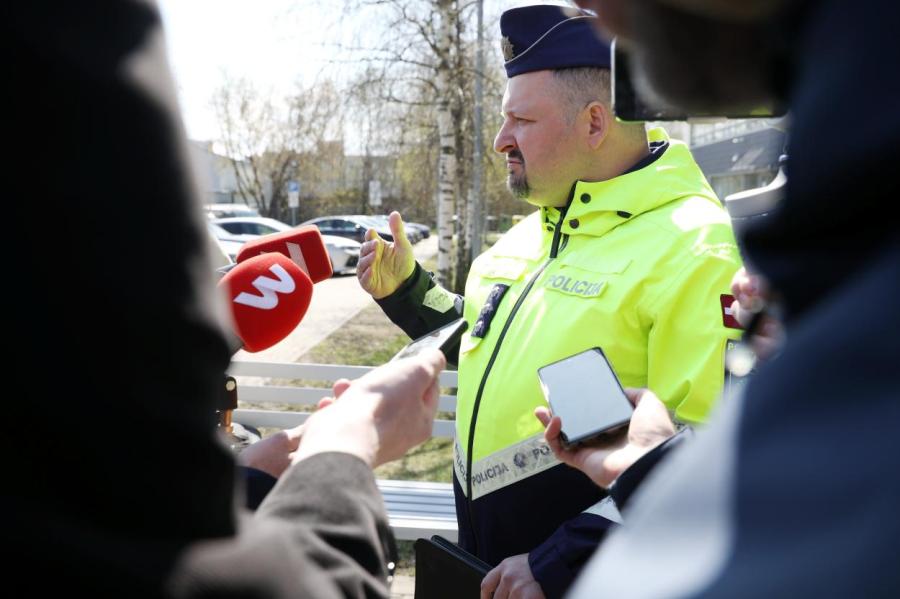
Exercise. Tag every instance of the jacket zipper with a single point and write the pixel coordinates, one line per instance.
(554, 250)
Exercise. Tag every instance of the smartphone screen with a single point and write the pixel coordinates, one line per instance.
(443, 339)
(629, 105)
(585, 393)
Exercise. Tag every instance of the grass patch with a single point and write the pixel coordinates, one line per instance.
(367, 339)
(430, 461)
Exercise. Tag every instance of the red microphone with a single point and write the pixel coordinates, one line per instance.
(303, 245)
(269, 296)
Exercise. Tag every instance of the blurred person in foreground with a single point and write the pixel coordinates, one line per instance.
(792, 489)
(117, 484)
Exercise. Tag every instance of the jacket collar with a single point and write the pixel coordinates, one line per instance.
(597, 207)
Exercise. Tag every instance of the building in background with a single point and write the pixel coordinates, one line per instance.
(216, 173)
(737, 156)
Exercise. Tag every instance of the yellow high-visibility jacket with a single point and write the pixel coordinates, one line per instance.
(636, 265)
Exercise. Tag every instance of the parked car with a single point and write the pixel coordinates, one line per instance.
(227, 210)
(424, 229)
(218, 255)
(251, 225)
(344, 253)
(413, 233)
(350, 226)
(230, 243)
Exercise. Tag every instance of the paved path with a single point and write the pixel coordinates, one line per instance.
(334, 302)
(404, 587)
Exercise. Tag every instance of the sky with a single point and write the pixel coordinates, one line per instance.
(276, 44)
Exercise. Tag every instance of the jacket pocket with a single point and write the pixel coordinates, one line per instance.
(489, 282)
(585, 278)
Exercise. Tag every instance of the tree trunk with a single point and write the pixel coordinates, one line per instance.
(461, 259)
(447, 163)
(475, 229)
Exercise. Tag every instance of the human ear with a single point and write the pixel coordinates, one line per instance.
(599, 120)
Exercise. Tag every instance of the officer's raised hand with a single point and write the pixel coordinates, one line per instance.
(384, 266)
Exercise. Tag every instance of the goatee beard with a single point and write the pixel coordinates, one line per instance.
(518, 184)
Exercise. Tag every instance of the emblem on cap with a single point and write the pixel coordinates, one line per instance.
(507, 48)
(545, 37)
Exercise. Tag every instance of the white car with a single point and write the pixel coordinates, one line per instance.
(230, 244)
(226, 210)
(344, 253)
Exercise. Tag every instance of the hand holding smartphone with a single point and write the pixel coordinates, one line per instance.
(585, 393)
(444, 339)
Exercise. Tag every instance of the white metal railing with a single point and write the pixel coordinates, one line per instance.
(253, 390)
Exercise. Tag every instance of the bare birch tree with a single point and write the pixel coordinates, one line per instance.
(416, 51)
(270, 142)
(448, 127)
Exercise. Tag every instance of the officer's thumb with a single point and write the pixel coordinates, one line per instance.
(397, 229)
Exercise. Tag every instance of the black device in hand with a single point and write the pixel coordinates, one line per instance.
(446, 571)
(585, 393)
(631, 106)
(443, 339)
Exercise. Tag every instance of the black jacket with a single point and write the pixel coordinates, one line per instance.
(115, 482)
(792, 489)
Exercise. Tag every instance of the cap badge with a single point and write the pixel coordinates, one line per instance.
(507, 47)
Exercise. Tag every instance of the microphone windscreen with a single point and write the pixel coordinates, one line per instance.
(269, 296)
(303, 245)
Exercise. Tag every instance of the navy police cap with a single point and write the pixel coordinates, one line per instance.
(541, 37)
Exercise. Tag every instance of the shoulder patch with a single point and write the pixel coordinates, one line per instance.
(438, 299)
(728, 318)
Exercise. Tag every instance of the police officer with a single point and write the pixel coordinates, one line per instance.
(629, 251)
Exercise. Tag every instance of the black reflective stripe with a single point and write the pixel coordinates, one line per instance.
(488, 310)
(554, 249)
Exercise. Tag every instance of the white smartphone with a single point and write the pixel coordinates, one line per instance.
(585, 393)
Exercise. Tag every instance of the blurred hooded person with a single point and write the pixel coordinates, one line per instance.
(792, 490)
